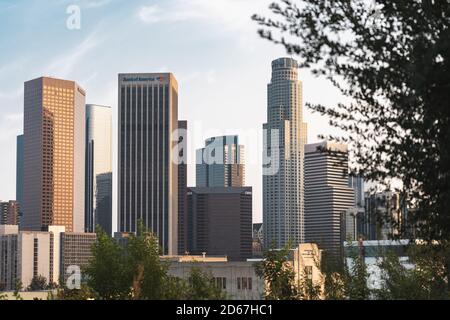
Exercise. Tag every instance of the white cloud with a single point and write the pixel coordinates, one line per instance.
(96, 3)
(229, 14)
(88, 4)
(155, 13)
(150, 14)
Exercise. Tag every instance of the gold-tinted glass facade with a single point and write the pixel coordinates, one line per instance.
(58, 148)
(54, 132)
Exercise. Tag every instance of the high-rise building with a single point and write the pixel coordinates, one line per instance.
(258, 240)
(328, 198)
(148, 174)
(182, 188)
(19, 173)
(220, 221)
(98, 168)
(357, 184)
(54, 155)
(9, 212)
(221, 163)
(285, 137)
(355, 219)
(103, 216)
(385, 217)
(76, 250)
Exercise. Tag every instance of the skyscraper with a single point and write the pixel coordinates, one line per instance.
(9, 212)
(328, 198)
(19, 169)
(98, 168)
(385, 216)
(221, 163)
(54, 155)
(285, 137)
(19, 176)
(182, 188)
(148, 174)
(220, 221)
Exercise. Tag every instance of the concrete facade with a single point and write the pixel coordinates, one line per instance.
(237, 279)
(28, 254)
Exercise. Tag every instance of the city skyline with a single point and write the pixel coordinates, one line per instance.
(218, 70)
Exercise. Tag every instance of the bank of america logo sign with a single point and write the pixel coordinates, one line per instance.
(144, 79)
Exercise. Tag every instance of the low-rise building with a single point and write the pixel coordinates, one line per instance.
(306, 261)
(373, 251)
(237, 278)
(76, 250)
(25, 255)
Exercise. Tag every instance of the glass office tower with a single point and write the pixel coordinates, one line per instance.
(221, 163)
(148, 174)
(54, 155)
(98, 168)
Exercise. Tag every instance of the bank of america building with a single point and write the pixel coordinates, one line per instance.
(147, 180)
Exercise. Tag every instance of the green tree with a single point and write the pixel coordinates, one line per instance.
(397, 281)
(201, 286)
(334, 280)
(84, 293)
(17, 290)
(278, 275)
(148, 272)
(307, 288)
(136, 271)
(38, 283)
(107, 273)
(355, 276)
(175, 289)
(431, 261)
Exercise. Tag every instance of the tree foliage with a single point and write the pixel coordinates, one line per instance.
(201, 286)
(355, 276)
(278, 275)
(38, 283)
(106, 273)
(134, 270)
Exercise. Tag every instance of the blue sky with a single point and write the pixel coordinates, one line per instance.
(211, 46)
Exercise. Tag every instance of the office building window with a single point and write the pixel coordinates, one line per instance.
(244, 283)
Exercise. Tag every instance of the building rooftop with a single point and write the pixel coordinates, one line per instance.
(220, 189)
(192, 258)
